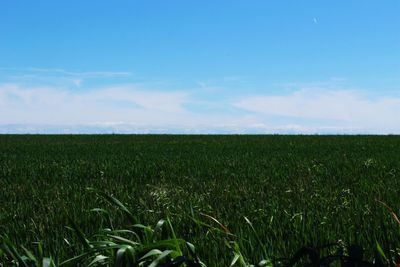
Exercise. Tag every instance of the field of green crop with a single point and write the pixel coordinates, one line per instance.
(295, 190)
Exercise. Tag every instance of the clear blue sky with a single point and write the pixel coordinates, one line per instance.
(200, 66)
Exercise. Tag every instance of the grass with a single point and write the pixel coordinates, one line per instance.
(295, 191)
(138, 245)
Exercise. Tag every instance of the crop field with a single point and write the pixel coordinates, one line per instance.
(271, 195)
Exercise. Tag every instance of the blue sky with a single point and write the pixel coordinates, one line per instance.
(200, 66)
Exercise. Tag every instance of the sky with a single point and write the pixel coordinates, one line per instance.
(236, 67)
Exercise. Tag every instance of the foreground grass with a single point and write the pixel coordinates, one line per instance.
(138, 245)
(295, 190)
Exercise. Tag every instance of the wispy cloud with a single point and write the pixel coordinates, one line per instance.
(313, 107)
(68, 73)
(344, 108)
(77, 82)
(119, 108)
(59, 77)
(58, 105)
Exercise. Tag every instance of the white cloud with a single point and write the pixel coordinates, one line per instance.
(134, 109)
(57, 105)
(55, 71)
(115, 108)
(59, 77)
(119, 109)
(77, 82)
(338, 108)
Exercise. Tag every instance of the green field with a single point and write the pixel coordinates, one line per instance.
(296, 190)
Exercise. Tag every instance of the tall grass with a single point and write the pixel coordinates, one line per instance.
(138, 245)
(296, 191)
